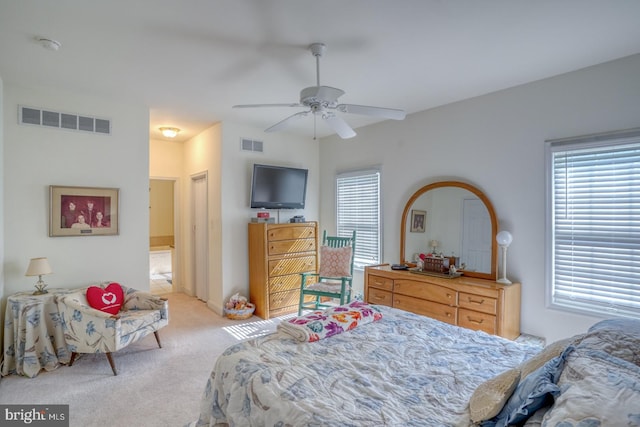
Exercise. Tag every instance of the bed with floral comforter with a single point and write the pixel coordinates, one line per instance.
(400, 370)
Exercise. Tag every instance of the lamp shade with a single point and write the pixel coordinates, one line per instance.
(38, 267)
(504, 238)
(434, 243)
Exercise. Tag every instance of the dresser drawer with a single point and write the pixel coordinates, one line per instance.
(478, 303)
(287, 282)
(380, 297)
(380, 283)
(291, 232)
(477, 321)
(283, 266)
(427, 291)
(281, 311)
(284, 299)
(442, 312)
(282, 247)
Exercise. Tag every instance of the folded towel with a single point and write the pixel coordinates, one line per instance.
(332, 321)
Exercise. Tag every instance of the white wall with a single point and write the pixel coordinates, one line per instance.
(229, 186)
(203, 154)
(36, 157)
(495, 142)
(279, 149)
(166, 161)
(2, 290)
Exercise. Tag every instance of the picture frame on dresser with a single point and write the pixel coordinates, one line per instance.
(418, 221)
(83, 211)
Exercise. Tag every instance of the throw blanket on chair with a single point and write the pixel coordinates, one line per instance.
(332, 321)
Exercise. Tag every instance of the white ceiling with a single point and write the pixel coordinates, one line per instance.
(191, 60)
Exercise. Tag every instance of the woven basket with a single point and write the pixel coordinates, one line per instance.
(245, 313)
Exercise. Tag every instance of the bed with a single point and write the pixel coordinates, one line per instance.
(404, 370)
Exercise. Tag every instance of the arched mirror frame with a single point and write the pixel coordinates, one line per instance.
(481, 196)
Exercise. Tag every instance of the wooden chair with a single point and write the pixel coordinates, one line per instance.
(335, 276)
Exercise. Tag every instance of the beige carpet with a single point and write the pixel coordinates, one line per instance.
(154, 386)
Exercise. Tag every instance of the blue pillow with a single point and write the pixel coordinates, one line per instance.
(534, 392)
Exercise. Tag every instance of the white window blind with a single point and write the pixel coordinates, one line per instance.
(358, 208)
(595, 230)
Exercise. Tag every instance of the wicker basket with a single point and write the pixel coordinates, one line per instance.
(245, 313)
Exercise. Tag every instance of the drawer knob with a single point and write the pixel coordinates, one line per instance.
(477, 322)
(476, 301)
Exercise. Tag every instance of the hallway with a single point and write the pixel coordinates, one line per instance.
(160, 270)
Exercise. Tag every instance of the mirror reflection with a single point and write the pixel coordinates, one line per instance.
(453, 220)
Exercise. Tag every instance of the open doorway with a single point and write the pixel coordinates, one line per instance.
(161, 235)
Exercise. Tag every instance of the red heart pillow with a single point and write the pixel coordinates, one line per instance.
(109, 299)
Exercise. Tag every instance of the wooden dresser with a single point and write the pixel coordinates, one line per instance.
(278, 253)
(477, 304)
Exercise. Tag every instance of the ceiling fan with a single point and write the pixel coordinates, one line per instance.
(322, 101)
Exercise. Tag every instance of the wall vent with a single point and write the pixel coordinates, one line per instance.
(251, 145)
(59, 120)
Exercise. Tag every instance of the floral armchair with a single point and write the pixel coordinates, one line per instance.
(88, 330)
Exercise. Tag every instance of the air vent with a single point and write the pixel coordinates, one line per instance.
(59, 120)
(251, 145)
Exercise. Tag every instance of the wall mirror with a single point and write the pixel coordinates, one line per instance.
(453, 219)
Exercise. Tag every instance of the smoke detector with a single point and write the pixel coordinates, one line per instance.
(49, 44)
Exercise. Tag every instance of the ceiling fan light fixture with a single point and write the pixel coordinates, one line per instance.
(169, 132)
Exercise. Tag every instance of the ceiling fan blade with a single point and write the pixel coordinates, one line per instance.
(338, 125)
(387, 113)
(286, 122)
(267, 105)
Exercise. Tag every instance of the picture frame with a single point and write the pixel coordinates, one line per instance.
(418, 221)
(83, 211)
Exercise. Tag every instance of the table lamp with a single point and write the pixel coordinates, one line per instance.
(504, 239)
(434, 244)
(39, 267)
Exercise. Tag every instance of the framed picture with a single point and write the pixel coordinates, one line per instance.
(418, 220)
(83, 211)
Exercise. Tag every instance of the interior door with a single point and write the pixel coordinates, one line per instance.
(476, 236)
(200, 236)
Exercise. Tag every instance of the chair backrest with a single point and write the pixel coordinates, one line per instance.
(339, 242)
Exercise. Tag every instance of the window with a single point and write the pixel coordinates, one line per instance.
(358, 208)
(593, 224)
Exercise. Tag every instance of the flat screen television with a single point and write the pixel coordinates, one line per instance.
(278, 187)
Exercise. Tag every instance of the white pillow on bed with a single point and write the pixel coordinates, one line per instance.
(597, 389)
(549, 352)
(489, 398)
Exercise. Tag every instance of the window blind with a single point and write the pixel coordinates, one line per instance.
(358, 208)
(595, 190)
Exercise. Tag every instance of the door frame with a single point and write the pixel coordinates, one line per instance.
(193, 178)
(176, 265)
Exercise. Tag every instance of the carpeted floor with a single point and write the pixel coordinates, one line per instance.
(154, 386)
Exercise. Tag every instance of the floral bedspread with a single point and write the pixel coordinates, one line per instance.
(403, 370)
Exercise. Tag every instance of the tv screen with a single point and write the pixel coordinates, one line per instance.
(278, 187)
